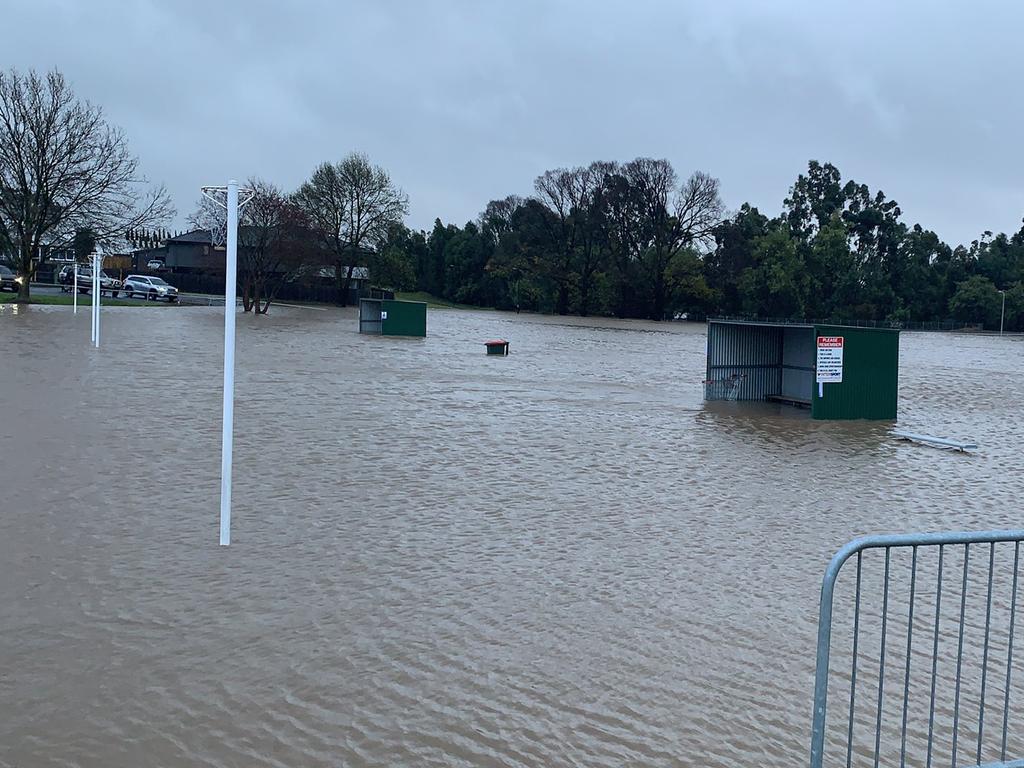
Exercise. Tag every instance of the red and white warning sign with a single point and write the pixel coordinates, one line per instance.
(829, 365)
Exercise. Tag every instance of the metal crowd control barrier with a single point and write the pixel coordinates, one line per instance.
(952, 552)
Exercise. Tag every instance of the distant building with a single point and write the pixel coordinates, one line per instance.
(186, 253)
(194, 252)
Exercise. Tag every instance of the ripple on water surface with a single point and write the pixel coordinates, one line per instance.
(562, 557)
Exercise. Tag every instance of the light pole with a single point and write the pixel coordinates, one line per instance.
(1002, 313)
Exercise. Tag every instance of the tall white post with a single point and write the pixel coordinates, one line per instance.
(74, 293)
(96, 293)
(1002, 312)
(92, 297)
(229, 364)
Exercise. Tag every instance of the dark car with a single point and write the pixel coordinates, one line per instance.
(8, 280)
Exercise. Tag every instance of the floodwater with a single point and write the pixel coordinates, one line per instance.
(559, 558)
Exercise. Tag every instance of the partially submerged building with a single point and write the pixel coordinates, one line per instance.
(393, 317)
(837, 371)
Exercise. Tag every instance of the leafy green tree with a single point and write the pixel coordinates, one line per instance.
(777, 285)
(466, 256)
(833, 280)
(1000, 258)
(875, 233)
(976, 300)
(393, 264)
(391, 268)
(814, 200)
(430, 271)
(687, 286)
(735, 241)
(916, 279)
(508, 265)
(1014, 318)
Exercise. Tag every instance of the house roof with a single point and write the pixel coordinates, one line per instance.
(195, 236)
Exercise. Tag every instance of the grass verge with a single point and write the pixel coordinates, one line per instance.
(432, 301)
(83, 301)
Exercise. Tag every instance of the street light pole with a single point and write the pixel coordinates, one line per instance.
(1002, 313)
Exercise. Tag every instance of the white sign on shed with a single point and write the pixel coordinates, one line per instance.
(829, 364)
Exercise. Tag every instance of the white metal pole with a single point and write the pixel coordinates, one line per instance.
(95, 308)
(229, 364)
(92, 297)
(1002, 312)
(74, 293)
(99, 284)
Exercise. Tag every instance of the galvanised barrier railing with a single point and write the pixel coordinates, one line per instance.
(885, 704)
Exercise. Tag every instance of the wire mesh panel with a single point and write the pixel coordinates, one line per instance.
(916, 653)
(727, 388)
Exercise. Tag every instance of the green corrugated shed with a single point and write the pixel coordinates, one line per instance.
(762, 360)
(870, 385)
(393, 317)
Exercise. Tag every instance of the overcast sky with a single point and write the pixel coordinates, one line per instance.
(463, 102)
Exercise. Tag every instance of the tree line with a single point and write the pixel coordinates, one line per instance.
(627, 239)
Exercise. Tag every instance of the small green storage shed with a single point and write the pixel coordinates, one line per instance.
(838, 371)
(392, 317)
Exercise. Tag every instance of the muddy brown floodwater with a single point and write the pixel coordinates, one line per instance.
(559, 558)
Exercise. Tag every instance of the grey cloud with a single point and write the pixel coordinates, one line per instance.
(466, 101)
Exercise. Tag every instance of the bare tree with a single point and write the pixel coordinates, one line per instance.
(351, 205)
(554, 191)
(576, 197)
(210, 216)
(275, 241)
(589, 195)
(278, 244)
(673, 218)
(63, 168)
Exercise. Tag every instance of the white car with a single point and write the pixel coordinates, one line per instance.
(154, 264)
(152, 288)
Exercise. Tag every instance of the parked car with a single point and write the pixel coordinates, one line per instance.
(66, 280)
(8, 280)
(152, 288)
(154, 264)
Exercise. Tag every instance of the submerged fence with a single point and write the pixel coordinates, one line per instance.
(904, 325)
(921, 634)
